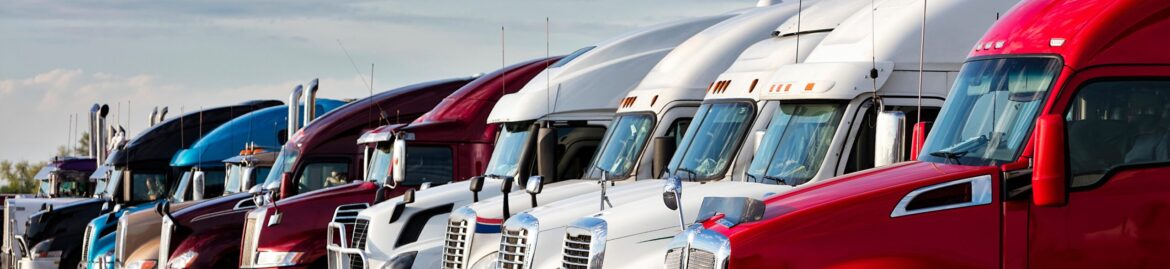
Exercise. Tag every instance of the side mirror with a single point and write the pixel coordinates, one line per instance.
(663, 150)
(921, 129)
(534, 185)
(287, 186)
(672, 192)
(198, 182)
(475, 184)
(398, 161)
(1049, 178)
(889, 138)
(672, 197)
(258, 195)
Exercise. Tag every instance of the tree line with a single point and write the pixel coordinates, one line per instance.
(18, 176)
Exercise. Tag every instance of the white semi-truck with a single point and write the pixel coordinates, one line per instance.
(581, 90)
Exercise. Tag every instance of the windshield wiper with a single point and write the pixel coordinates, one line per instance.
(961, 149)
(776, 179)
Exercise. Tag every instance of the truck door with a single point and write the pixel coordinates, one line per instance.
(1118, 211)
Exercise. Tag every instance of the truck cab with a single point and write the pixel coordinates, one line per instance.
(661, 108)
(203, 176)
(141, 175)
(446, 145)
(1025, 159)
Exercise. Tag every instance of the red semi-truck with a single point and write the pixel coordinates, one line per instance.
(206, 235)
(291, 232)
(1051, 152)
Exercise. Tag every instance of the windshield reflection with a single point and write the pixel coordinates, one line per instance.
(990, 111)
(623, 145)
(708, 145)
(505, 161)
(795, 144)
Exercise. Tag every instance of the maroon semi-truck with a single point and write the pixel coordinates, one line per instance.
(291, 232)
(207, 235)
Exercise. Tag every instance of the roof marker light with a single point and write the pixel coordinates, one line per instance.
(999, 44)
(787, 87)
(753, 86)
(1056, 42)
(653, 100)
(987, 45)
(809, 87)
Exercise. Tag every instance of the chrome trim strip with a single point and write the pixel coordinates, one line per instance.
(980, 195)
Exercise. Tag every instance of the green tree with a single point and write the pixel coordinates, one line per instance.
(18, 176)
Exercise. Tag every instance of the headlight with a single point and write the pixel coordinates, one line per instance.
(277, 259)
(41, 250)
(402, 261)
(183, 260)
(142, 264)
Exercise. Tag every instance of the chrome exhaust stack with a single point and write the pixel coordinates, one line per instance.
(153, 117)
(100, 135)
(162, 115)
(293, 109)
(93, 127)
(310, 110)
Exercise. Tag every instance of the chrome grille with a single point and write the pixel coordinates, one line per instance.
(674, 258)
(85, 242)
(164, 242)
(347, 214)
(455, 244)
(513, 248)
(360, 226)
(576, 252)
(700, 259)
(247, 248)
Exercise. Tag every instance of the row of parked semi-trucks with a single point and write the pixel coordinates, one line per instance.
(798, 131)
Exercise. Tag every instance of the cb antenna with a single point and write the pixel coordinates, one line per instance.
(873, 71)
(921, 59)
(547, 74)
(381, 112)
(503, 56)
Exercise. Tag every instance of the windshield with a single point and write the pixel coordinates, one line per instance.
(509, 148)
(708, 144)
(283, 164)
(990, 111)
(181, 188)
(795, 143)
(623, 144)
(379, 166)
(112, 187)
(233, 179)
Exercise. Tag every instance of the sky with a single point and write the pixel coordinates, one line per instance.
(58, 58)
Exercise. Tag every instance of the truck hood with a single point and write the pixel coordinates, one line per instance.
(200, 211)
(491, 210)
(142, 227)
(650, 214)
(880, 184)
(68, 219)
(561, 213)
(421, 221)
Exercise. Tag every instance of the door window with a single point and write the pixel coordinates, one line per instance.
(428, 164)
(323, 175)
(1115, 123)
